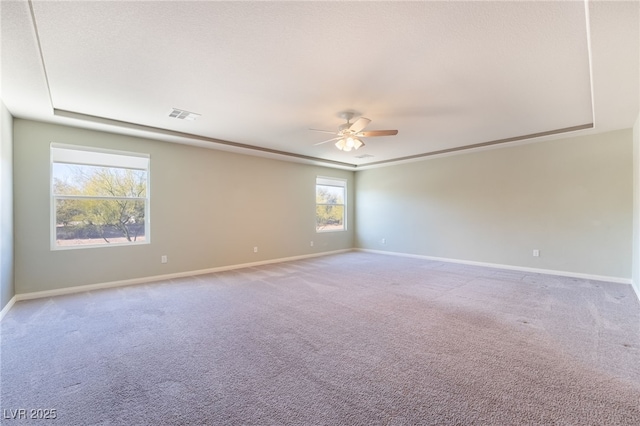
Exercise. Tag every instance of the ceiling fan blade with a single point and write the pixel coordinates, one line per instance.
(328, 140)
(324, 131)
(359, 124)
(377, 133)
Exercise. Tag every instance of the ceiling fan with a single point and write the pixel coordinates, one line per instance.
(349, 134)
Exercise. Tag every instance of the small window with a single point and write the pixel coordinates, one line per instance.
(98, 197)
(331, 195)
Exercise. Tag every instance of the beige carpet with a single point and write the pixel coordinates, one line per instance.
(351, 339)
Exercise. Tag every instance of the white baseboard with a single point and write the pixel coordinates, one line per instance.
(7, 307)
(143, 280)
(618, 280)
(636, 288)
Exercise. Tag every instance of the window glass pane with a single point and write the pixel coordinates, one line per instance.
(99, 221)
(329, 217)
(71, 179)
(330, 204)
(329, 194)
(99, 196)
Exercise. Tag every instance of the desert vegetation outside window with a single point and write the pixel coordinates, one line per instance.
(331, 195)
(98, 197)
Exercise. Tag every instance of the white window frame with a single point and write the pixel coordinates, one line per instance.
(331, 181)
(101, 157)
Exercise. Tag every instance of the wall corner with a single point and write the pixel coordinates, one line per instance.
(635, 262)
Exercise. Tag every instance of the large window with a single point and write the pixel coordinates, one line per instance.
(331, 195)
(98, 197)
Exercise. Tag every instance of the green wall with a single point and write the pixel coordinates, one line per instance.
(636, 207)
(6, 206)
(208, 209)
(569, 198)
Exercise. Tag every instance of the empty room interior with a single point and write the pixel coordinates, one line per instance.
(320, 213)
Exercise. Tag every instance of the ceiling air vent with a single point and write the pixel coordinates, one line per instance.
(364, 156)
(183, 115)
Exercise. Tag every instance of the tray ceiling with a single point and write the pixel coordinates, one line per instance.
(448, 75)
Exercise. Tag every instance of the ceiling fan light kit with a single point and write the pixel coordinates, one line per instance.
(349, 143)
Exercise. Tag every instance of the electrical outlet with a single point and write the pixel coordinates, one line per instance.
(163, 258)
(255, 249)
(536, 253)
(311, 243)
(383, 241)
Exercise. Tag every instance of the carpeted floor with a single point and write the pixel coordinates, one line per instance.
(350, 339)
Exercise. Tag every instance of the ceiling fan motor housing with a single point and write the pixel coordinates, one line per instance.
(343, 128)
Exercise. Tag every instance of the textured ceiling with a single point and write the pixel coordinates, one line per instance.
(447, 75)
